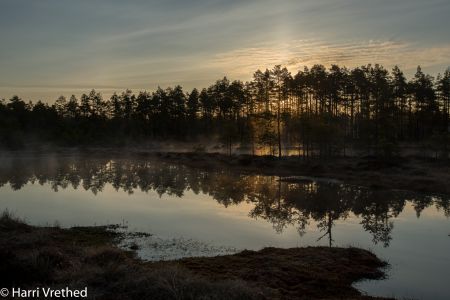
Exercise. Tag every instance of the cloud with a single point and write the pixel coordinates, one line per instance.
(299, 53)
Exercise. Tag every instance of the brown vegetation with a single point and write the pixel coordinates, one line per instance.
(87, 256)
(296, 273)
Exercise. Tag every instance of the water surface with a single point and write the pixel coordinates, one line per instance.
(215, 211)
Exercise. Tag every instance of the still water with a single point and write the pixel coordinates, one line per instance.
(219, 210)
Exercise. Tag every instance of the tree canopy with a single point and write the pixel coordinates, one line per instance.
(316, 112)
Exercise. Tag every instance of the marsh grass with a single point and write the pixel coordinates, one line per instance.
(88, 257)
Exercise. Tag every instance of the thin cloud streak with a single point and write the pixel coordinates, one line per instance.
(301, 53)
(198, 71)
(143, 44)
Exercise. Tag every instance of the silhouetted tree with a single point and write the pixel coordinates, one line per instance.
(318, 112)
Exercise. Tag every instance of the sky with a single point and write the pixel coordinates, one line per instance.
(62, 47)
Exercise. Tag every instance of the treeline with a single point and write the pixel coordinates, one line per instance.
(315, 112)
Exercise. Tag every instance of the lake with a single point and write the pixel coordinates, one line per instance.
(191, 211)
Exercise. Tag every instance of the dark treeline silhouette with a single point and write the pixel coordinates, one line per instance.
(317, 112)
(280, 201)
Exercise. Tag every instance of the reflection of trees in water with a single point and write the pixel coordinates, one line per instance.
(281, 203)
(269, 198)
(376, 209)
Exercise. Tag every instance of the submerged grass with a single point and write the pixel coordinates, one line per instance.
(88, 257)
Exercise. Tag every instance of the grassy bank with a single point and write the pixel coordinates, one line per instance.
(88, 257)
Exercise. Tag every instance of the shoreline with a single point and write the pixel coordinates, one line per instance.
(413, 174)
(403, 173)
(80, 257)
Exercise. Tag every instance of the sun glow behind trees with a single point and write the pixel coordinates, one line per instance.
(318, 111)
